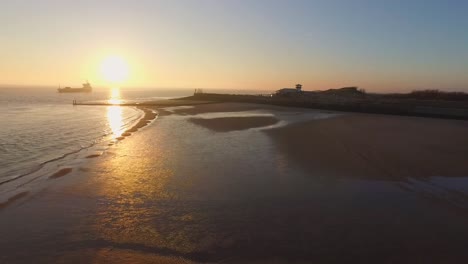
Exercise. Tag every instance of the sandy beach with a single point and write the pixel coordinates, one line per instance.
(377, 147)
(246, 183)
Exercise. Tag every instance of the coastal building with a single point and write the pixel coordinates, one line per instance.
(290, 91)
(198, 91)
(344, 90)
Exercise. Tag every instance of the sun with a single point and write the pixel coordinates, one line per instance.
(114, 69)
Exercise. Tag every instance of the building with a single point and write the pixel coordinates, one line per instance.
(290, 91)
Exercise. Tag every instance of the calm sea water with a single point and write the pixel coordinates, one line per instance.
(39, 126)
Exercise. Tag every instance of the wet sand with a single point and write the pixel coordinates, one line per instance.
(61, 173)
(226, 124)
(378, 147)
(149, 115)
(314, 191)
(12, 199)
(220, 107)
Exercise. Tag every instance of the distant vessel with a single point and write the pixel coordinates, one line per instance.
(85, 89)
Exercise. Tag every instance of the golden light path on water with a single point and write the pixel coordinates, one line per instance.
(114, 113)
(114, 118)
(115, 96)
(127, 190)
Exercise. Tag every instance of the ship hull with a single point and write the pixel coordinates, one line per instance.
(74, 90)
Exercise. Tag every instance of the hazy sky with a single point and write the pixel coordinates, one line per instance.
(379, 45)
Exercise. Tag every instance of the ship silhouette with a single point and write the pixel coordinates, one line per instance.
(85, 89)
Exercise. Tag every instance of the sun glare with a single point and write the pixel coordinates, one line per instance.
(115, 98)
(114, 69)
(114, 117)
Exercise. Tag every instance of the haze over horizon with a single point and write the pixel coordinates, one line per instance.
(262, 44)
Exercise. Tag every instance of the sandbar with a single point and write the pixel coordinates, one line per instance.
(226, 124)
(377, 147)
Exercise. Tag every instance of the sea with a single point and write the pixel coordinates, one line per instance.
(40, 128)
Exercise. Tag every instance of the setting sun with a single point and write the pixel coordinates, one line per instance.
(114, 69)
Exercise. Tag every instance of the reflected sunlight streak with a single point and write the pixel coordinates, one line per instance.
(115, 97)
(114, 118)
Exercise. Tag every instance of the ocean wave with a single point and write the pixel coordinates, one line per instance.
(31, 141)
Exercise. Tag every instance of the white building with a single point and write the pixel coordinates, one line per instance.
(290, 91)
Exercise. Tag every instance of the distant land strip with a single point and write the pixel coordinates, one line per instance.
(375, 104)
(390, 104)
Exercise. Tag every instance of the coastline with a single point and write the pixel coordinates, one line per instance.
(183, 192)
(20, 186)
(371, 104)
(32, 181)
(378, 147)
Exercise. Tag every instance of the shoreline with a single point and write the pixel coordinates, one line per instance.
(457, 110)
(13, 186)
(185, 192)
(148, 116)
(153, 109)
(377, 147)
(370, 105)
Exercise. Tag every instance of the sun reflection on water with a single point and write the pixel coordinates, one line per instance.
(114, 118)
(115, 96)
(137, 205)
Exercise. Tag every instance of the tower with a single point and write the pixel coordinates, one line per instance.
(299, 87)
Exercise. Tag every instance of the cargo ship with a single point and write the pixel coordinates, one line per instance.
(85, 89)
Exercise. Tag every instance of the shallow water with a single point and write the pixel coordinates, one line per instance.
(39, 126)
(233, 196)
(180, 190)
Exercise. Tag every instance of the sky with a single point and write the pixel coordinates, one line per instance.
(378, 45)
